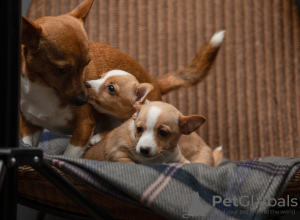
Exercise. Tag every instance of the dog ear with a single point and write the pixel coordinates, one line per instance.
(141, 92)
(82, 10)
(189, 124)
(31, 33)
(137, 108)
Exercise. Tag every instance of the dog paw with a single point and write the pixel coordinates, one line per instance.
(74, 151)
(95, 139)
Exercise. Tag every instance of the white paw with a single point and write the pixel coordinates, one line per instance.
(95, 139)
(73, 151)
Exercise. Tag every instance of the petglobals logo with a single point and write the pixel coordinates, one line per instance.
(197, 208)
(244, 204)
(250, 200)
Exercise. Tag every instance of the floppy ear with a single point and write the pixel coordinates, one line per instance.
(141, 92)
(31, 33)
(189, 124)
(82, 10)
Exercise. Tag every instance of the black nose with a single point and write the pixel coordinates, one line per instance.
(81, 99)
(80, 102)
(145, 151)
(87, 85)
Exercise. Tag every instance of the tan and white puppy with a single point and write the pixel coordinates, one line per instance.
(115, 93)
(157, 133)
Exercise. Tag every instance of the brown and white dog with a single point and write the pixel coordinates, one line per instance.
(157, 133)
(56, 60)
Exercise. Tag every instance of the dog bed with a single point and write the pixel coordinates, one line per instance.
(171, 191)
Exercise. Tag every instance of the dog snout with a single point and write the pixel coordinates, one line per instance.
(81, 99)
(145, 151)
(87, 85)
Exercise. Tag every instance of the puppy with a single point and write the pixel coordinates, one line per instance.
(56, 60)
(115, 93)
(157, 133)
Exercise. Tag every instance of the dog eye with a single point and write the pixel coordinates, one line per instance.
(62, 70)
(139, 129)
(111, 88)
(162, 133)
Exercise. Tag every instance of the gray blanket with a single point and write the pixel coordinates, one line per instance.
(233, 190)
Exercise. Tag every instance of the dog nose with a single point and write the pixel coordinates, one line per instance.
(87, 85)
(81, 99)
(80, 102)
(145, 151)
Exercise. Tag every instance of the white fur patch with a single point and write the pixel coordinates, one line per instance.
(95, 139)
(148, 137)
(220, 148)
(27, 140)
(132, 129)
(41, 106)
(95, 84)
(33, 140)
(217, 38)
(74, 151)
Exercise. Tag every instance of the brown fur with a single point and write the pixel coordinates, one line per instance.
(55, 51)
(128, 91)
(56, 54)
(193, 73)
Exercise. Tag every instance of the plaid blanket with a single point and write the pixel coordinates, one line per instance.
(233, 190)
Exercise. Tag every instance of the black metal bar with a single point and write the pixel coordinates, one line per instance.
(298, 3)
(71, 192)
(52, 210)
(10, 47)
(8, 196)
(40, 215)
(2, 172)
(10, 22)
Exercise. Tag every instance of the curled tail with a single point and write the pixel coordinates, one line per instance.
(196, 70)
(218, 155)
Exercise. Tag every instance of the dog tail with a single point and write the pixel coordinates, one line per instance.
(196, 70)
(218, 155)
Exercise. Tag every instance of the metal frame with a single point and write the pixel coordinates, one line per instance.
(10, 155)
(52, 210)
(298, 4)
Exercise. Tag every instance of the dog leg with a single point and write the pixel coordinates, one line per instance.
(98, 137)
(95, 139)
(30, 133)
(183, 160)
(83, 129)
(79, 141)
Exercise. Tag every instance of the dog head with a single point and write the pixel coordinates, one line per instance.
(116, 92)
(158, 128)
(56, 50)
